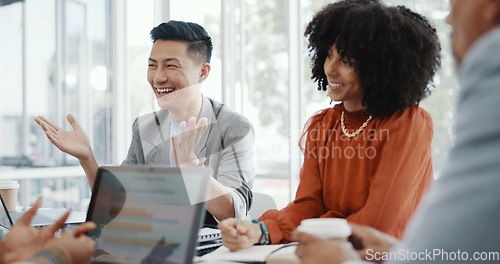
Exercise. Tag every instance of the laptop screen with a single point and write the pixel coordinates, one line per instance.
(148, 214)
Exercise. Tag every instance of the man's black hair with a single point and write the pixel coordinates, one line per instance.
(200, 43)
(396, 51)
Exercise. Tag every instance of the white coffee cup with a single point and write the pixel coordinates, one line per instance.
(8, 190)
(327, 228)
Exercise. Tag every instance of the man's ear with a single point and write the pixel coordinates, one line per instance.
(205, 71)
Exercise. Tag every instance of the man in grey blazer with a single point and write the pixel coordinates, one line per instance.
(459, 219)
(189, 129)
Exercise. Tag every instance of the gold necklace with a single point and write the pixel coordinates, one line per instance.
(355, 133)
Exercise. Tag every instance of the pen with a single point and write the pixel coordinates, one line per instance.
(238, 221)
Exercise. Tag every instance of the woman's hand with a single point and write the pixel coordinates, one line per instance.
(236, 236)
(75, 143)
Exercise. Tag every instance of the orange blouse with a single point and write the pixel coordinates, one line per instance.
(376, 178)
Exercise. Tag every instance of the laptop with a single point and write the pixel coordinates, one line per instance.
(147, 214)
(43, 217)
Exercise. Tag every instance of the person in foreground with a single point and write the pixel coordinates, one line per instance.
(190, 129)
(458, 220)
(24, 243)
(367, 159)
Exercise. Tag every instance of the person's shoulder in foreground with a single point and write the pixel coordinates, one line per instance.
(460, 219)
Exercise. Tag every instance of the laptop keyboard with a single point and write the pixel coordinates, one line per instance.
(38, 220)
(41, 219)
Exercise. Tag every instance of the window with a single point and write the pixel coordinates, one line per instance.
(53, 67)
(11, 76)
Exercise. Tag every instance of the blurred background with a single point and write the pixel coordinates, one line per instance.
(89, 58)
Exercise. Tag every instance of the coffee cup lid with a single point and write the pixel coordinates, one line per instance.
(9, 185)
(325, 227)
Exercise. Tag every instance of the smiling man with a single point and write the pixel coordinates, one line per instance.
(190, 129)
(178, 64)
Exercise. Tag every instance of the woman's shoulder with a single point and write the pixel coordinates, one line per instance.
(412, 113)
(327, 114)
(411, 117)
(322, 120)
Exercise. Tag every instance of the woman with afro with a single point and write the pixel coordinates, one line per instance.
(368, 158)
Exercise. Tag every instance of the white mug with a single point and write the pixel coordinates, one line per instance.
(328, 228)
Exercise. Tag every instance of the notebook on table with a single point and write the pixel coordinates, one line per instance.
(270, 254)
(147, 214)
(43, 217)
(209, 239)
(208, 234)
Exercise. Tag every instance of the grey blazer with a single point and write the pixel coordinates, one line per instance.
(461, 212)
(227, 144)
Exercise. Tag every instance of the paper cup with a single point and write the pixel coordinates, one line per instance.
(8, 190)
(327, 228)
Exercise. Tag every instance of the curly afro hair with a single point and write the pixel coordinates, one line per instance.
(396, 51)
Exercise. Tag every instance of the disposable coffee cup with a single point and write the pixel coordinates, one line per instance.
(8, 190)
(327, 228)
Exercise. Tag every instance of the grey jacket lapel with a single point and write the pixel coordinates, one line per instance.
(208, 112)
(154, 129)
(155, 134)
